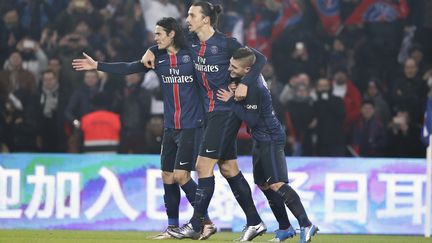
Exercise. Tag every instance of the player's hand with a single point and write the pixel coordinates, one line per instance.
(225, 95)
(84, 64)
(241, 92)
(232, 86)
(148, 59)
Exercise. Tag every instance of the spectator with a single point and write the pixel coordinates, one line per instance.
(80, 102)
(52, 98)
(330, 114)
(35, 15)
(153, 135)
(416, 53)
(11, 32)
(49, 41)
(409, 92)
(101, 127)
(368, 133)
(71, 46)
(274, 86)
(404, 137)
(299, 117)
(344, 88)
(34, 58)
(381, 108)
(134, 109)
(287, 93)
(15, 77)
(153, 10)
(337, 57)
(301, 61)
(76, 11)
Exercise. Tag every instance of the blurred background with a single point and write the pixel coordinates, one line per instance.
(347, 77)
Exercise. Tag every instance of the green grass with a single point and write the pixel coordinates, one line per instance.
(60, 236)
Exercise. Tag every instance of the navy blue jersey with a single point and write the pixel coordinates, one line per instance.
(257, 112)
(211, 61)
(183, 107)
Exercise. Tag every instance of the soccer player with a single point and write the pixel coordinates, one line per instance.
(183, 116)
(211, 51)
(269, 166)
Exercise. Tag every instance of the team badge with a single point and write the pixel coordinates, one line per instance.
(186, 59)
(214, 49)
(380, 12)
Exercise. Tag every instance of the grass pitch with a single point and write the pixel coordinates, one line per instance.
(61, 236)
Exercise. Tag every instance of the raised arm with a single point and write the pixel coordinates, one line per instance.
(122, 68)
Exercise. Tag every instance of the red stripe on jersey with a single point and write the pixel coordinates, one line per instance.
(204, 78)
(202, 49)
(209, 92)
(176, 94)
(173, 60)
(177, 106)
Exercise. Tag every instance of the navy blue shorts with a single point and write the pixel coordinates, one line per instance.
(220, 135)
(180, 148)
(269, 165)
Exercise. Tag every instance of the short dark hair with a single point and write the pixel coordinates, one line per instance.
(170, 24)
(368, 102)
(246, 54)
(210, 10)
(49, 71)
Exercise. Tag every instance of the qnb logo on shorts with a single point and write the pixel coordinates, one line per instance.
(251, 107)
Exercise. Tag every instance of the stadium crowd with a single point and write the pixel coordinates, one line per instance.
(346, 79)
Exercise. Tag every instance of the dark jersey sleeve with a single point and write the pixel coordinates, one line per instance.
(249, 109)
(256, 68)
(156, 50)
(122, 68)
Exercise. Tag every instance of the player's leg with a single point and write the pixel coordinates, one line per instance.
(242, 193)
(241, 190)
(276, 170)
(186, 142)
(277, 206)
(204, 193)
(208, 156)
(171, 188)
(276, 203)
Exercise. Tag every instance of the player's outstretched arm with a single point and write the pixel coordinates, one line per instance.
(84, 64)
(122, 68)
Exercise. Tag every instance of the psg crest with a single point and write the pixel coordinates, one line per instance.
(214, 49)
(186, 58)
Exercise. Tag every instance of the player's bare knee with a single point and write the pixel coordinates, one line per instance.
(275, 186)
(181, 176)
(205, 166)
(168, 177)
(228, 168)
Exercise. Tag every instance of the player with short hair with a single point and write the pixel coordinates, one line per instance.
(183, 116)
(269, 165)
(211, 51)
